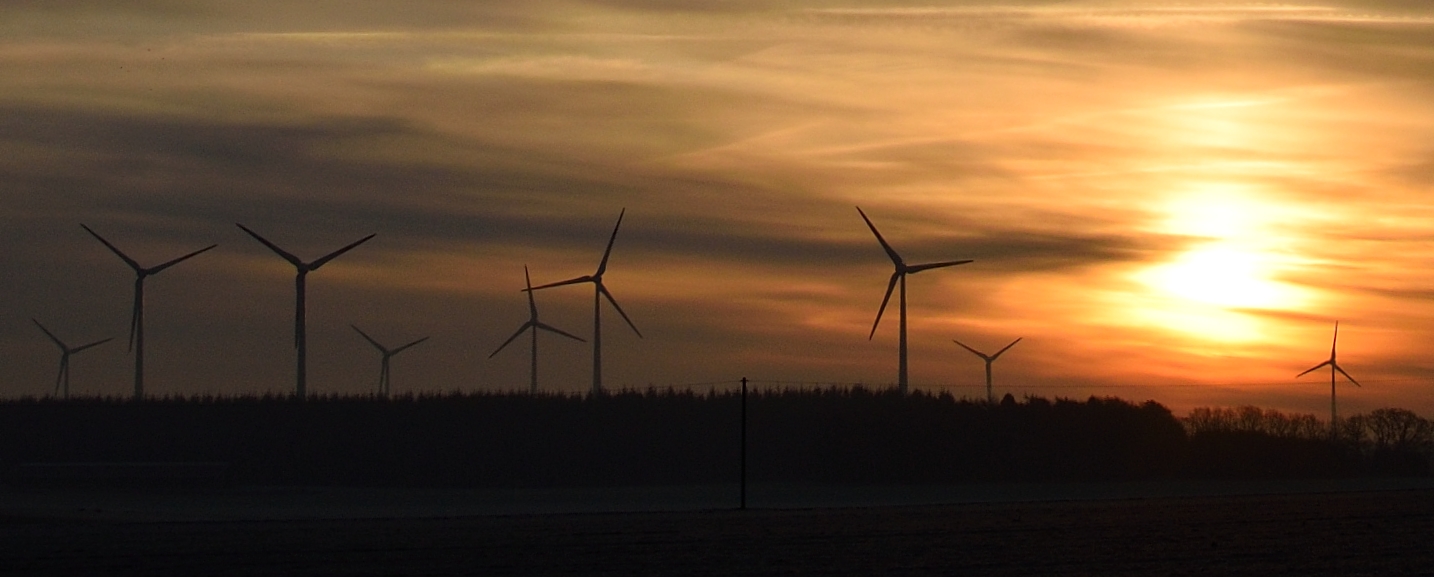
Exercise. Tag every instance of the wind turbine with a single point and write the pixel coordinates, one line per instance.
(990, 397)
(136, 320)
(599, 292)
(902, 269)
(1333, 368)
(303, 268)
(534, 324)
(383, 381)
(65, 352)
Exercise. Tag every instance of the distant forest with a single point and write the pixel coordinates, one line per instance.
(665, 437)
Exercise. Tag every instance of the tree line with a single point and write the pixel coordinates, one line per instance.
(1251, 441)
(663, 437)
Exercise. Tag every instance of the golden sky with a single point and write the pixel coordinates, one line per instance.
(1167, 201)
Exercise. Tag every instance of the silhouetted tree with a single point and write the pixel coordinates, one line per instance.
(826, 435)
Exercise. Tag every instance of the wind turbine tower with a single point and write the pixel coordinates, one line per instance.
(1333, 368)
(990, 397)
(136, 320)
(65, 352)
(534, 324)
(902, 269)
(384, 387)
(303, 269)
(599, 292)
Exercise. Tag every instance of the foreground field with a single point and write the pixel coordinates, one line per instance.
(1348, 533)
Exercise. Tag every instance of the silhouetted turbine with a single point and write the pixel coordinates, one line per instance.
(534, 324)
(303, 269)
(599, 292)
(65, 352)
(990, 397)
(1333, 368)
(384, 387)
(136, 319)
(902, 269)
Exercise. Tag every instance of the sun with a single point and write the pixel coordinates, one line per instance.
(1229, 270)
(1223, 275)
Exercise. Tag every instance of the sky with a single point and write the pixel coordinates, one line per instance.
(1168, 201)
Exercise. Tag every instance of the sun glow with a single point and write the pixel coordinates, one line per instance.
(1219, 274)
(1216, 211)
(1231, 270)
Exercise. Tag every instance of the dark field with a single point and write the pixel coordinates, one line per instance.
(646, 484)
(1347, 533)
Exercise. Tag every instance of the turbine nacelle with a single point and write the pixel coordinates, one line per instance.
(387, 352)
(140, 273)
(596, 277)
(1333, 362)
(902, 269)
(63, 377)
(299, 264)
(1334, 368)
(984, 356)
(990, 396)
(302, 270)
(899, 276)
(599, 292)
(533, 322)
(383, 372)
(136, 319)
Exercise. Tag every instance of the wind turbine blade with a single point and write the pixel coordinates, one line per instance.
(1013, 343)
(890, 252)
(603, 290)
(581, 279)
(602, 266)
(891, 286)
(511, 339)
(369, 339)
(129, 261)
(98, 343)
(548, 327)
(294, 260)
(51, 335)
(1335, 342)
(156, 269)
(60, 376)
(136, 310)
(973, 351)
(395, 351)
(1346, 375)
(1312, 369)
(532, 304)
(333, 255)
(920, 267)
